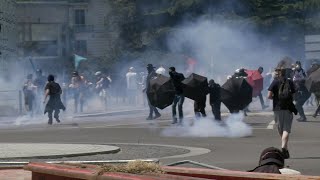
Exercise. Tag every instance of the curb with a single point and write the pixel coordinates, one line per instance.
(113, 151)
(19, 165)
(231, 175)
(82, 171)
(113, 113)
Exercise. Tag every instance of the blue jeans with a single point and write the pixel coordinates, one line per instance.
(178, 100)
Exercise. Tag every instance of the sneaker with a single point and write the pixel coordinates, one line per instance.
(285, 153)
(314, 116)
(58, 120)
(157, 116)
(149, 118)
(301, 119)
(50, 122)
(175, 121)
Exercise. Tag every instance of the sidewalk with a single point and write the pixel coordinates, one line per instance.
(15, 174)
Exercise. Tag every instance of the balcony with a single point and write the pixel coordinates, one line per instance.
(82, 28)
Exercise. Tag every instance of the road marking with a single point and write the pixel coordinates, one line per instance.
(271, 124)
(126, 124)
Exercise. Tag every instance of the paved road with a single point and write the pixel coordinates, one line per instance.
(230, 153)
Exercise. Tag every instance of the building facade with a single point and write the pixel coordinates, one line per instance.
(8, 34)
(54, 30)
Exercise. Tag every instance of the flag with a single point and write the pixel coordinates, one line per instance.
(77, 60)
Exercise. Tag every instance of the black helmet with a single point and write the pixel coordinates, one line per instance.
(50, 77)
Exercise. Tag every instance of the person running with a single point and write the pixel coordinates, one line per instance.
(53, 90)
(281, 91)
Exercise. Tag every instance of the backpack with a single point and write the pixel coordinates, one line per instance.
(285, 94)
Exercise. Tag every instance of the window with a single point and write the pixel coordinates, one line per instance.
(81, 47)
(79, 17)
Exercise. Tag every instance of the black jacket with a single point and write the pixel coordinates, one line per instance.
(177, 78)
(214, 91)
(151, 75)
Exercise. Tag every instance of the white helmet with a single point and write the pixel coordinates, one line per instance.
(98, 73)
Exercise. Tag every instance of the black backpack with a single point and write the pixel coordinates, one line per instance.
(285, 94)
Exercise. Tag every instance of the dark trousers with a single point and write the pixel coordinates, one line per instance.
(78, 100)
(317, 111)
(199, 109)
(56, 115)
(301, 98)
(152, 109)
(178, 100)
(261, 101)
(216, 110)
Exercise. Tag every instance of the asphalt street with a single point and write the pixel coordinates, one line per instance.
(241, 153)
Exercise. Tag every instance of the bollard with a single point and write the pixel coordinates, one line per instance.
(20, 102)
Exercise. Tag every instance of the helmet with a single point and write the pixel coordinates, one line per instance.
(98, 73)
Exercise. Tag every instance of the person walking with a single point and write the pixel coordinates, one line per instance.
(132, 86)
(302, 95)
(29, 91)
(260, 70)
(281, 91)
(151, 74)
(53, 90)
(77, 86)
(177, 79)
(215, 99)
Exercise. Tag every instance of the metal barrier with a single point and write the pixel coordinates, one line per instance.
(10, 102)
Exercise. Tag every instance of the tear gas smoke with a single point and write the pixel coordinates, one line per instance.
(221, 46)
(232, 127)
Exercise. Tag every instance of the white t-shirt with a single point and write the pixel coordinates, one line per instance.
(132, 82)
(161, 71)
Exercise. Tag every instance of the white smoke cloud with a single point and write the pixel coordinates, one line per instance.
(221, 46)
(231, 127)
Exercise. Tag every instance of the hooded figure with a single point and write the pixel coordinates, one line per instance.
(53, 90)
(271, 161)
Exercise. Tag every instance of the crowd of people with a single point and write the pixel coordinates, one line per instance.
(285, 86)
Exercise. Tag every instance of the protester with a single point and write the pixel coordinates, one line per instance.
(281, 91)
(132, 86)
(177, 78)
(215, 99)
(151, 74)
(142, 85)
(260, 70)
(271, 161)
(53, 90)
(102, 85)
(40, 81)
(241, 73)
(77, 86)
(302, 95)
(29, 91)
